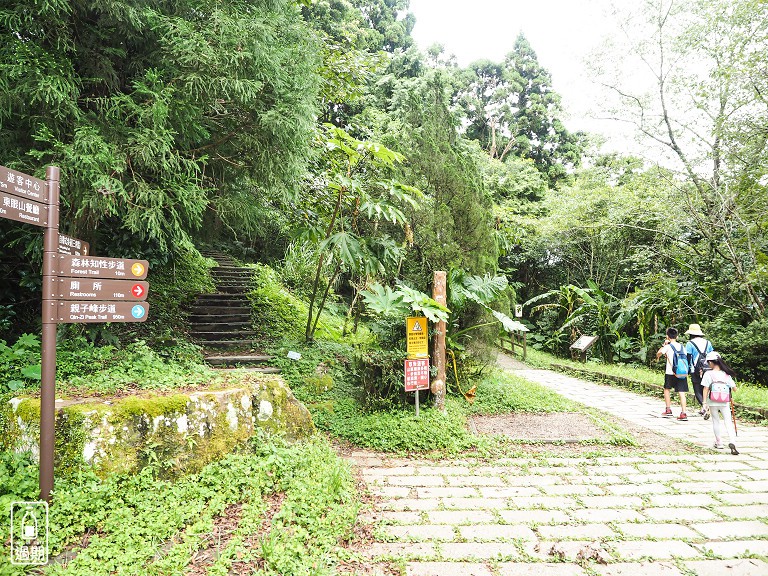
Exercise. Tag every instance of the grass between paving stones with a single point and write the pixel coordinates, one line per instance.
(339, 411)
(139, 524)
(747, 394)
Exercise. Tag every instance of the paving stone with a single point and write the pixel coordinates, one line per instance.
(576, 531)
(682, 500)
(411, 504)
(608, 515)
(727, 476)
(533, 516)
(734, 548)
(637, 569)
(401, 550)
(532, 480)
(474, 503)
(742, 499)
(656, 468)
(539, 569)
(447, 569)
(754, 485)
(755, 474)
(656, 477)
(479, 551)
(446, 492)
(743, 567)
(754, 511)
(560, 502)
(612, 470)
(420, 532)
(743, 529)
(475, 481)
(658, 531)
(397, 471)
(654, 550)
(570, 549)
(679, 514)
(460, 516)
(629, 489)
(401, 517)
(555, 470)
(735, 465)
(699, 487)
(496, 532)
(416, 481)
(577, 489)
(600, 480)
(444, 470)
(391, 491)
(612, 501)
(508, 492)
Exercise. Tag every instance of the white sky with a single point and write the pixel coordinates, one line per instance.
(562, 33)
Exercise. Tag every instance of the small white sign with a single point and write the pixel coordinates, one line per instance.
(29, 533)
(518, 310)
(294, 355)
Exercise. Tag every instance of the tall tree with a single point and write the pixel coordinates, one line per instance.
(512, 109)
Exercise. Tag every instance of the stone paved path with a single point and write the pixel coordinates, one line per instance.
(646, 514)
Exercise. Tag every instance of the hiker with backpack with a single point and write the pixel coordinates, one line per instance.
(676, 372)
(718, 387)
(697, 349)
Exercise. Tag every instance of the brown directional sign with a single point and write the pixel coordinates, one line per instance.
(92, 267)
(73, 246)
(20, 184)
(95, 312)
(97, 289)
(21, 210)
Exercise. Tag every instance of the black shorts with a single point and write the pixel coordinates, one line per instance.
(672, 382)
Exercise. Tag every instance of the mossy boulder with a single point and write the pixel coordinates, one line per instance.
(178, 432)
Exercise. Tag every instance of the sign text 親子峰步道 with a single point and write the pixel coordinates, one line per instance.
(69, 312)
(60, 288)
(23, 185)
(93, 267)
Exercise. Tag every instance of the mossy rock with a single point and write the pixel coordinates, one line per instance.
(180, 433)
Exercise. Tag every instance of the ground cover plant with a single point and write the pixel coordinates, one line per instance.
(143, 525)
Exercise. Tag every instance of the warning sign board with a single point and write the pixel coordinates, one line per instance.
(417, 337)
(417, 374)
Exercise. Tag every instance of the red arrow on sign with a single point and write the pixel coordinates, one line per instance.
(137, 290)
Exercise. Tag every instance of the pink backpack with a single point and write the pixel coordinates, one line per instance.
(719, 391)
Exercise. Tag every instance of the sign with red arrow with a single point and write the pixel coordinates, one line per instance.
(97, 289)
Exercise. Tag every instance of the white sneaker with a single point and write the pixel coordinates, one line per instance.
(719, 445)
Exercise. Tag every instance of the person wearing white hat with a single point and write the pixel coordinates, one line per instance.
(697, 348)
(718, 386)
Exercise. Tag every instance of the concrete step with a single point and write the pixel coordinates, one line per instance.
(232, 289)
(208, 335)
(234, 359)
(220, 325)
(229, 344)
(218, 309)
(260, 369)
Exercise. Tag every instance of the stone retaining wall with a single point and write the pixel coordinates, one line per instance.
(180, 432)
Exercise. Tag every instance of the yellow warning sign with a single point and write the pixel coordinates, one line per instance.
(417, 337)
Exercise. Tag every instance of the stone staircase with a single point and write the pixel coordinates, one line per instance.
(221, 322)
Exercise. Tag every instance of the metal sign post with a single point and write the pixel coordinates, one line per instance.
(48, 345)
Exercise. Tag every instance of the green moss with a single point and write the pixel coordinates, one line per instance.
(319, 384)
(151, 406)
(29, 410)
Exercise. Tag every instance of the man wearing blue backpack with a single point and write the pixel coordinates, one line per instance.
(697, 348)
(676, 372)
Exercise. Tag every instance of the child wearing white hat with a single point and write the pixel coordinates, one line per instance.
(718, 386)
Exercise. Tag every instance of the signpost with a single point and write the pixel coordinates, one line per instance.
(90, 289)
(77, 288)
(93, 267)
(581, 346)
(417, 377)
(21, 210)
(73, 246)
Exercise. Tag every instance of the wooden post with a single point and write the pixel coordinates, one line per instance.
(439, 295)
